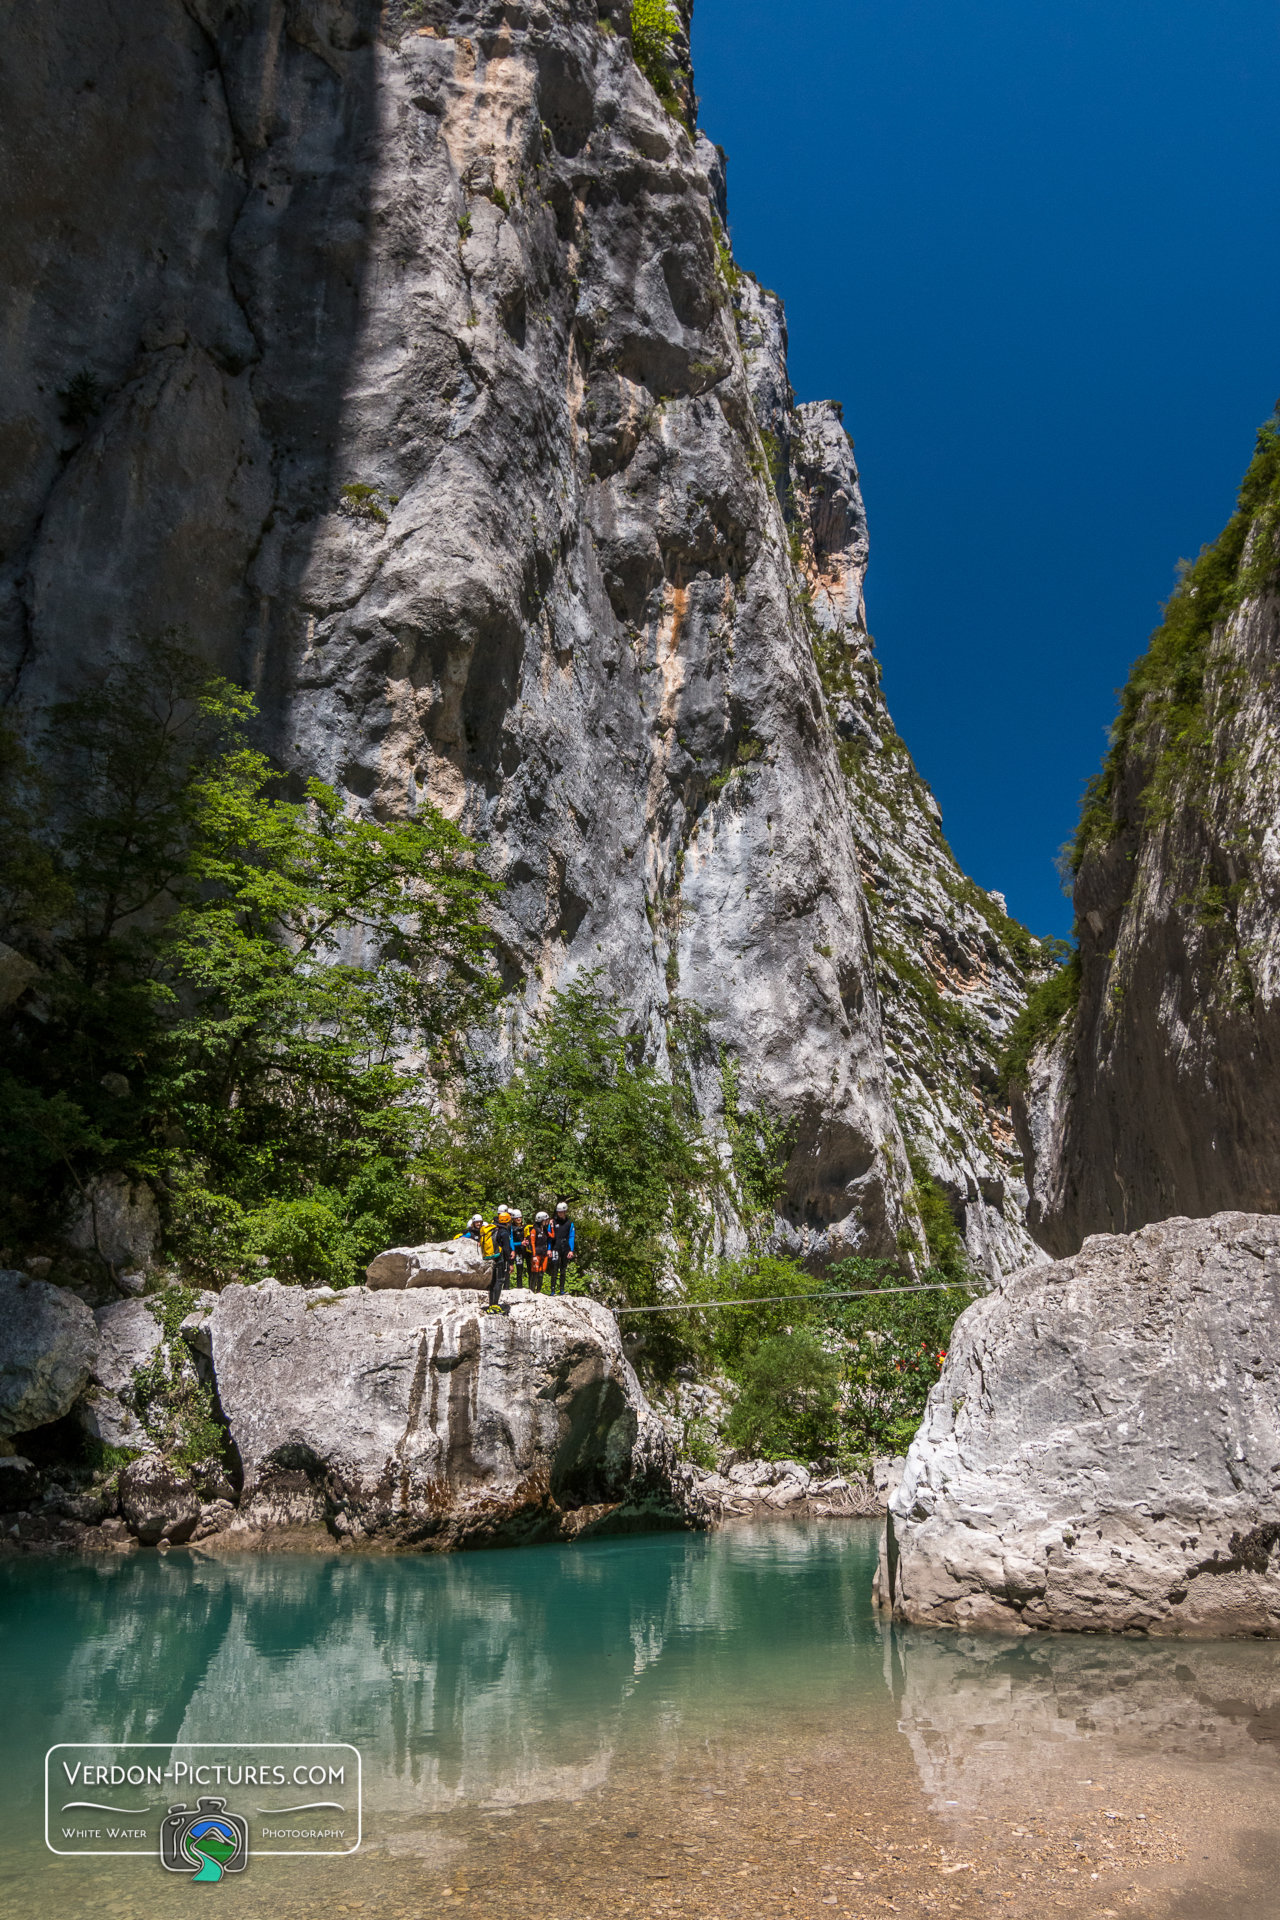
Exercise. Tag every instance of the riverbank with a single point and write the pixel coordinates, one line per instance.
(713, 1726)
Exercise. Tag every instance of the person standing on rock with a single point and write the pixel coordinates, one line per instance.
(538, 1242)
(519, 1249)
(562, 1246)
(501, 1243)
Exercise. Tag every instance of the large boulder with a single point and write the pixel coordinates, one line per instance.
(48, 1342)
(1102, 1450)
(128, 1337)
(440, 1263)
(414, 1419)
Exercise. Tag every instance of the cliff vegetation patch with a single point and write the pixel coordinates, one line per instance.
(1168, 717)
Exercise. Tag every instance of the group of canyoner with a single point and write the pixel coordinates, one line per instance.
(524, 1255)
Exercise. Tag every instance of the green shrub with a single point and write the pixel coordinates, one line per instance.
(653, 28)
(759, 1146)
(359, 501)
(1164, 716)
(789, 1399)
(948, 1255)
(896, 1347)
(1048, 1006)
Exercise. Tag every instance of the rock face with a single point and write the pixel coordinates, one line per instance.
(1102, 1450)
(48, 1342)
(128, 1336)
(431, 351)
(952, 968)
(443, 1263)
(1154, 1096)
(411, 1419)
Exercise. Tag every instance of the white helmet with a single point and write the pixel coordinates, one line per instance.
(542, 1216)
(562, 1206)
(516, 1214)
(476, 1220)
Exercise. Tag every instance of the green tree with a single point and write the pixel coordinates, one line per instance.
(788, 1404)
(584, 1117)
(242, 994)
(895, 1347)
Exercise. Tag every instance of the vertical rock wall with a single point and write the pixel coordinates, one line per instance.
(397, 356)
(1153, 1097)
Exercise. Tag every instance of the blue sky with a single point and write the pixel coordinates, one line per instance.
(1033, 249)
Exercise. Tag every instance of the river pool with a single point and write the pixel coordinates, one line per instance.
(665, 1725)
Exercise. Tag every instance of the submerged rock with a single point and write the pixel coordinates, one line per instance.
(413, 1419)
(48, 1342)
(1102, 1450)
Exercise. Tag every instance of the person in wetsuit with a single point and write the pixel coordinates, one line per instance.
(562, 1246)
(538, 1242)
(519, 1249)
(502, 1250)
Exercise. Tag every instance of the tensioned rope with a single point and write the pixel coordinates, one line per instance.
(772, 1299)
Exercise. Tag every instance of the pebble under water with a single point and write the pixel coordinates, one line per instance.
(662, 1725)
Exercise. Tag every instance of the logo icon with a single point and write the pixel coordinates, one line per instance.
(207, 1843)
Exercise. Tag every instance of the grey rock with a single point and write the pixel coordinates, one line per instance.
(158, 1501)
(574, 621)
(415, 1419)
(953, 970)
(216, 1516)
(443, 1263)
(194, 1326)
(48, 1343)
(105, 1417)
(1156, 1096)
(574, 618)
(128, 1336)
(117, 1219)
(1102, 1449)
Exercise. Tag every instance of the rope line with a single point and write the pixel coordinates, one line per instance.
(772, 1299)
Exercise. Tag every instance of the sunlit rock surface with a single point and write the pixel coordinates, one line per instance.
(426, 398)
(48, 1343)
(413, 1419)
(1102, 1450)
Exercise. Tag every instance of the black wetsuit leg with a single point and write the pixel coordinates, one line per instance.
(498, 1280)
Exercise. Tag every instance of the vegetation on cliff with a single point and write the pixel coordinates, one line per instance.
(1168, 715)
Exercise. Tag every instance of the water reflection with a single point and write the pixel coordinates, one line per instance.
(495, 1679)
(687, 1696)
(986, 1715)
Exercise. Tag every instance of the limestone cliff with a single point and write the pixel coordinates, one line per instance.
(397, 355)
(1152, 1094)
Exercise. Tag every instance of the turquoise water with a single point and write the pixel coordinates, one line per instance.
(638, 1726)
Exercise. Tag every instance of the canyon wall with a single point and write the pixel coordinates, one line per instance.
(1148, 1091)
(398, 358)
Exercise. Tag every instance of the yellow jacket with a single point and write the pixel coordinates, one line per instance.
(484, 1238)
